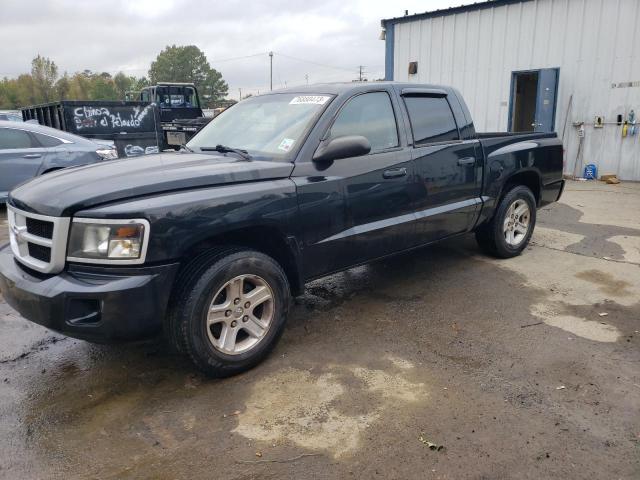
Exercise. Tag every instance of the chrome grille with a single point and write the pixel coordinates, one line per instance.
(38, 241)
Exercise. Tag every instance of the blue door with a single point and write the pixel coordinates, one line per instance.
(533, 100)
(546, 100)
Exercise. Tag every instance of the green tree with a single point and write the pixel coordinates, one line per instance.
(80, 85)
(189, 64)
(102, 88)
(26, 91)
(123, 83)
(44, 73)
(63, 87)
(140, 83)
(9, 93)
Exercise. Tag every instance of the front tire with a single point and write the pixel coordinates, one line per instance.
(230, 315)
(509, 231)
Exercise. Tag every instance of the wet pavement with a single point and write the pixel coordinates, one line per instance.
(510, 365)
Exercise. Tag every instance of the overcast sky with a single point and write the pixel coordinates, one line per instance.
(328, 39)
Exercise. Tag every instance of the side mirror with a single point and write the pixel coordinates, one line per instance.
(342, 147)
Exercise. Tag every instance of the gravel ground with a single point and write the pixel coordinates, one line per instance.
(511, 366)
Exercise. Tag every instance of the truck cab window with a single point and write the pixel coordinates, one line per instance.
(370, 115)
(190, 97)
(431, 120)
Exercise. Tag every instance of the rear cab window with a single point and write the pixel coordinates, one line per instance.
(369, 115)
(432, 120)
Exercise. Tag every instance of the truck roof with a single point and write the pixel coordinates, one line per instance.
(164, 84)
(339, 88)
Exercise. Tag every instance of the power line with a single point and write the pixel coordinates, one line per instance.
(240, 58)
(313, 63)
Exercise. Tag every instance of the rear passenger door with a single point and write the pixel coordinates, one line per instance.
(20, 157)
(447, 167)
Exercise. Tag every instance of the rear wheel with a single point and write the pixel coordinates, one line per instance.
(510, 230)
(232, 312)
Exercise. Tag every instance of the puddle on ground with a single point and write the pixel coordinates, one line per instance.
(630, 245)
(606, 282)
(552, 238)
(581, 327)
(315, 411)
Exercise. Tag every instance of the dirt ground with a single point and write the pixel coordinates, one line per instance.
(521, 368)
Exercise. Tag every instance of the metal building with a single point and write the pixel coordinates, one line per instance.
(570, 66)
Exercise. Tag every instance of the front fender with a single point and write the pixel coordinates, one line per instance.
(180, 220)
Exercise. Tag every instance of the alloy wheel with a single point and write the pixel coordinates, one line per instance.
(240, 314)
(517, 223)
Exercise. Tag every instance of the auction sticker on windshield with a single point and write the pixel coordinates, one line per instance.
(286, 144)
(310, 100)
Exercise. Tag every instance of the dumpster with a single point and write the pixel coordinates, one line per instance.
(134, 127)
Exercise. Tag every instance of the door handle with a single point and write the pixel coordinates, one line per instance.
(395, 173)
(32, 155)
(467, 161)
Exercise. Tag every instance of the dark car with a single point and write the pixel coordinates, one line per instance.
(28, 150)
(209, 245)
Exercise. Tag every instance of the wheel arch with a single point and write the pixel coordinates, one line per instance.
(528, 178)
(267, 239)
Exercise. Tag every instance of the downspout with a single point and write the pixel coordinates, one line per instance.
(389, 49)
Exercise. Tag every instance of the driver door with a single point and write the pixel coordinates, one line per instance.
(359, 208)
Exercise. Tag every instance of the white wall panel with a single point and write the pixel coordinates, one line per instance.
(595, 43)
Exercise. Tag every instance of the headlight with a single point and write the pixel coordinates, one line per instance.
(107, 153)
(108, 241)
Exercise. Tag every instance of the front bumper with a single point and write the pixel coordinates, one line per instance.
(102, 305)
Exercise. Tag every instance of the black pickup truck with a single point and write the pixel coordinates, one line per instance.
(210, 244)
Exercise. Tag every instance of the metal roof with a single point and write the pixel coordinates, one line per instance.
(450, 11)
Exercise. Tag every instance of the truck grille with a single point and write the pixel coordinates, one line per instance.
(38, 241)
(40, 228)
(39, 252)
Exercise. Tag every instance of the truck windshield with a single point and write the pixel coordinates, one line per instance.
(268, 127)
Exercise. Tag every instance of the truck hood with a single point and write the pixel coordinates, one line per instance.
(64, 192)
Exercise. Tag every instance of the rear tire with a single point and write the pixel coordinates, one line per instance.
(231, 310)
(509, 231)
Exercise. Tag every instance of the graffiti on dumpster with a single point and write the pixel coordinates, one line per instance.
(89, 118)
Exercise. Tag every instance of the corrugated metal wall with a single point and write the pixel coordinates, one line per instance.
(595, 43)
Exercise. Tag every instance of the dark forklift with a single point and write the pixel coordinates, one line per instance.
(181, 113)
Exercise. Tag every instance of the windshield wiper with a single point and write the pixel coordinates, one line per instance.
(224, 149)
(184, 146)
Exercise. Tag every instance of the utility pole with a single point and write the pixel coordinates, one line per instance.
(270, 70)
(306, 77)
(240, 90)
(361, 70)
